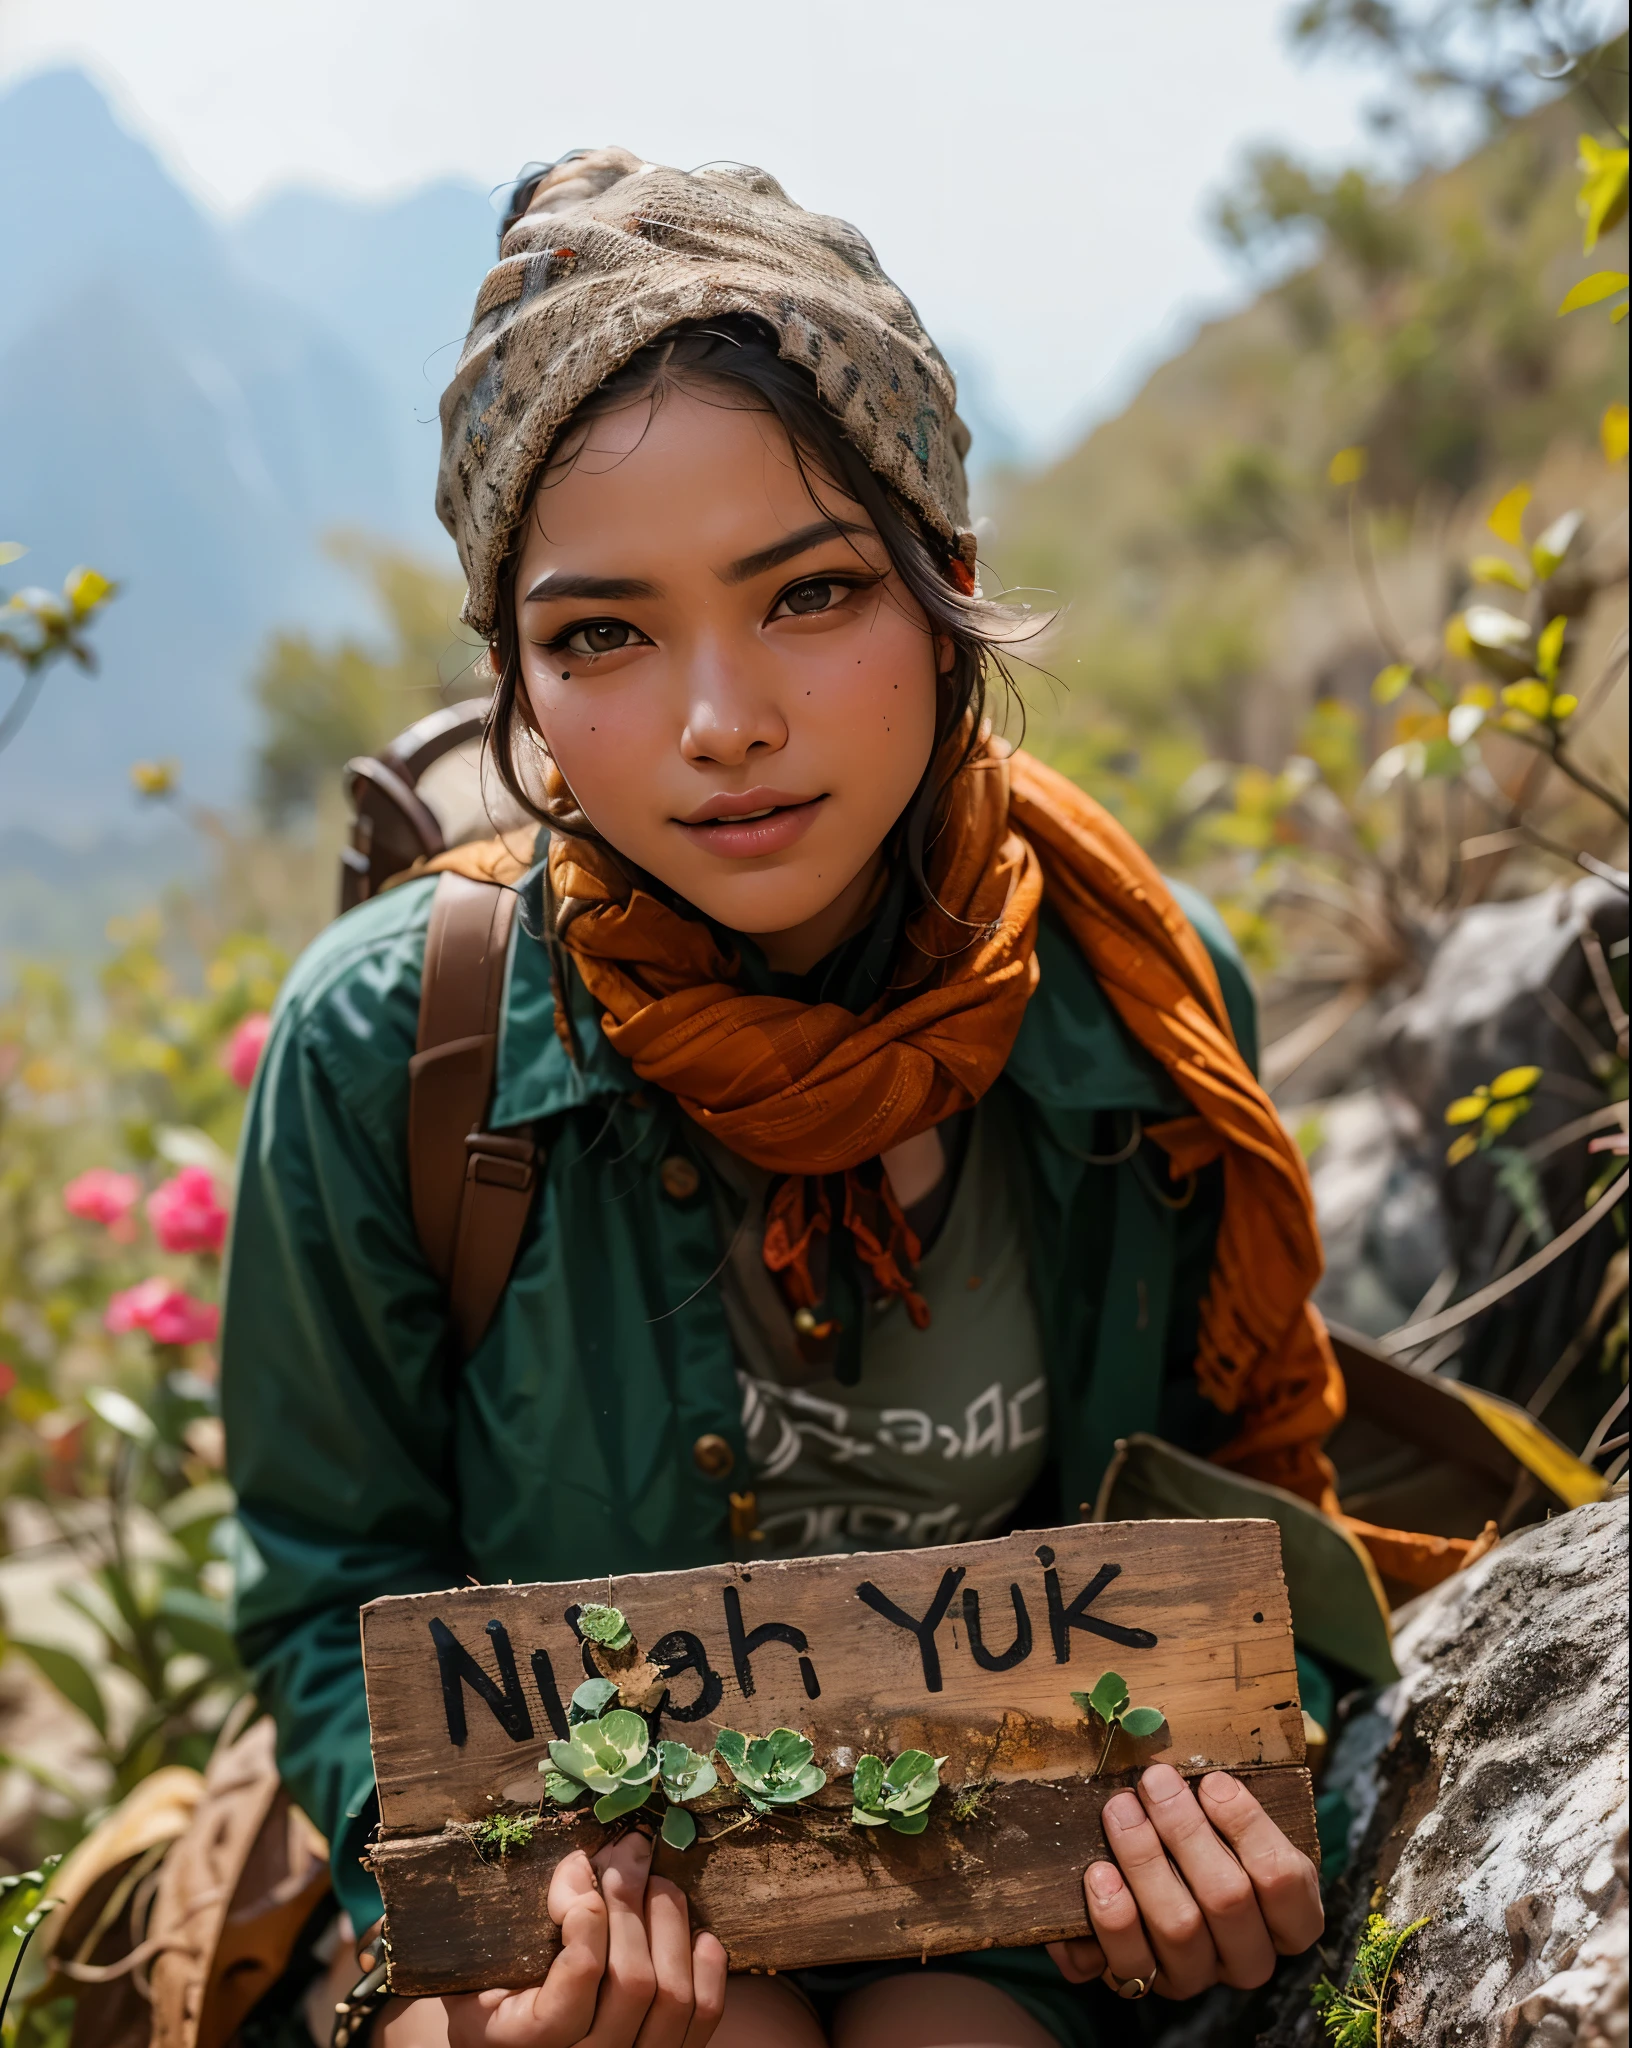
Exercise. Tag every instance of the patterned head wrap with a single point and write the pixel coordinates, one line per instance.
(609, 254)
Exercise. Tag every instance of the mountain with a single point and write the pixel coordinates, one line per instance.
(175, 413)
(394, 282)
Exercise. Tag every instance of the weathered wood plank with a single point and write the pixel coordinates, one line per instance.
(1209, 1596)
(970, 1651)
(779, 1899)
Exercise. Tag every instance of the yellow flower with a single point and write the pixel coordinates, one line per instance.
(153, 778)
(1390, 682)
(1468, 1109)
(1501, 1114)
(1515, 1081)
(1347, 466)
(1531, 697)
(1613, 432)
(1497, 569)
(1460, 1148)
(1506, 519)
(1601, 200)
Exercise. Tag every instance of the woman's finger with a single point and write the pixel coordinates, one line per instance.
(668, 1936)
(1216, 1881)
(630, 1982)
(1114, 1912)
(1285, 1882)
(1079, 1961)
(1173, 1921)
(708, 1973)
(561, 2010)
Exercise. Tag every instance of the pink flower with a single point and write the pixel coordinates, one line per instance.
(186, 1213)
(8, 1378)
(165, 1311)
(103, 1196)
(243, 1049)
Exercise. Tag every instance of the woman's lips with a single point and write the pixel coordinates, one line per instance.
(743, 838)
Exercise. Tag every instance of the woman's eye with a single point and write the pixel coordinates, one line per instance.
(598, 636)
(815, 596)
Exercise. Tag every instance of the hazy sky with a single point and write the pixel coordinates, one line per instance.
(1036, 173)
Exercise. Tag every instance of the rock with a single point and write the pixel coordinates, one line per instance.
(1490, 1788)
(1510, 985)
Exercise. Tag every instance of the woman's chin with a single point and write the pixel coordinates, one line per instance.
(775, 899)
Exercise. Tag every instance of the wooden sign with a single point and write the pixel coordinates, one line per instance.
(969, 1652)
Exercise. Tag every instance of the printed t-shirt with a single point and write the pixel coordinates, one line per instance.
(946, 1428)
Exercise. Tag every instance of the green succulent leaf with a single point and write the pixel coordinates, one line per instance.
(679, 1829)
(800, 1784)
(1142, 1721)
(683, 1773)
(910, 1823)
(622, 1799)
(591, 1700)
(789, 1750)
(563, 1790)
(1109, 1696)
(733, 1748)
(604, 1625)
(867, 1784)
(624, 1730)
(912, 1781)
(607, 1754)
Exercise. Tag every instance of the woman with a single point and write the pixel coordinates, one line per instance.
(823, 1009)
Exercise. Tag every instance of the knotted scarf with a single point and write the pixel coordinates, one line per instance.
(810, 1090)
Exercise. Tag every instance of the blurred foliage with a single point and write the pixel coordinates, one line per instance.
(321, 703)
(1490, 58)
(1287, 506)
(118, 1121)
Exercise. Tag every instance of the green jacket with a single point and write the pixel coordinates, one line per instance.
(369, 1460)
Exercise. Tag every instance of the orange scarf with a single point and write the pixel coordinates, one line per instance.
(814, 1089)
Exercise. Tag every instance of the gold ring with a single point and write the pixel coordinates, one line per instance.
(1130, 1987)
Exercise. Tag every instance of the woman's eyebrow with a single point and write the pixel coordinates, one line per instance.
(563, 583)
(784, 550)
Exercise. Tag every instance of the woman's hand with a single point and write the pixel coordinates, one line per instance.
(629, 1974)
(1209, 1891)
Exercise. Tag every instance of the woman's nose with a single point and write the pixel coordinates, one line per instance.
(729, 720)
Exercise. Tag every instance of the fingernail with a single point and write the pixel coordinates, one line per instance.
(1104, 1881)
(1124, 1810)
(1220, 1785)
(1162, 1782)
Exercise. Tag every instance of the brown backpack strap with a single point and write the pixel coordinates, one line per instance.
(472, 1188)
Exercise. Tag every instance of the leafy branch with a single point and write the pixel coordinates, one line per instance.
(22, 1895)
(38, 627)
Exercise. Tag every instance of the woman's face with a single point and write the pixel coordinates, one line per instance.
(737, 686)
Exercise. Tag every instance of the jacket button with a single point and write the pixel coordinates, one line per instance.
(679, 1179)
(713, 1456)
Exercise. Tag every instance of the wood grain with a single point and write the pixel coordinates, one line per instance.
(1193, 1615)
(779, 1900)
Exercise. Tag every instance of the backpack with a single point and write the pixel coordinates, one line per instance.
(471, 1188)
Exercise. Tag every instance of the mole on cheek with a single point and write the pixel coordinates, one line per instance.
(566, 675)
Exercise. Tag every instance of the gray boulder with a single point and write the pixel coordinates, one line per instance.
(1489, 1790)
